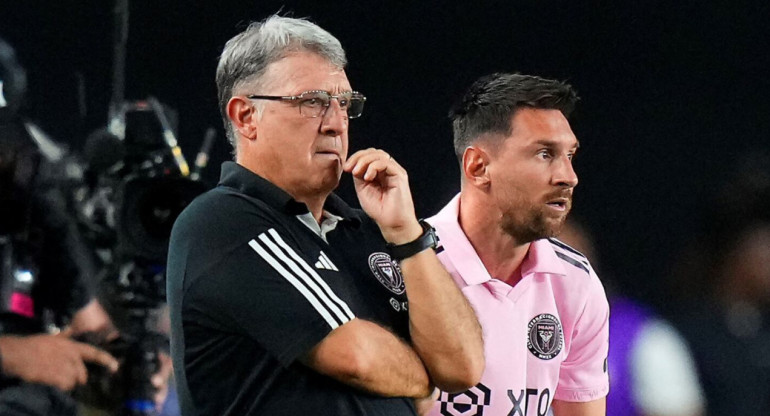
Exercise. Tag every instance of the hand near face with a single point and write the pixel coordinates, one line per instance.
(382, 186)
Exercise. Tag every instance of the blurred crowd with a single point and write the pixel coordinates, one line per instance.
(704, 347)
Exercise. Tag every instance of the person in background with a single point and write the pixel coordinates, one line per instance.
(39, 273)
(723, 280)
(47, 299)
(652, 372)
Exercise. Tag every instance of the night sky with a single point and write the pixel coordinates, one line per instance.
(674, 94)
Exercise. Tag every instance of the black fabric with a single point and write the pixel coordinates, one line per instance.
(27, 399)
(239, 324)
(38, 224)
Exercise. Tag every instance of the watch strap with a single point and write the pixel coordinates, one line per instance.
(426, 240)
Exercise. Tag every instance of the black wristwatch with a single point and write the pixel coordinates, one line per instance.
(426, 240)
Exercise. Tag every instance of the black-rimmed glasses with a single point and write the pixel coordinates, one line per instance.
(314, 103)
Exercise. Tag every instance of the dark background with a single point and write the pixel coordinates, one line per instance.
(674, 94)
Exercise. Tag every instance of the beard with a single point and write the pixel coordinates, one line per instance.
(527, 222)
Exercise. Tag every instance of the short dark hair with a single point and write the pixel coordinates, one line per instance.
(489, 104)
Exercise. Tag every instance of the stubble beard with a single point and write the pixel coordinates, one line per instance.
(527, 223)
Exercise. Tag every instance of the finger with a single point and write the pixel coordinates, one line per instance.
(369, 169)
(65, 381)
(363, 163)
(66, 332)
(81, 372)
(157, 381)
(166, 365)
(376, 168)
(364, 157)
(353, 159)
(363, 160)
(95, 355)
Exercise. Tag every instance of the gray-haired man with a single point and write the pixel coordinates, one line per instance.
(280, 293)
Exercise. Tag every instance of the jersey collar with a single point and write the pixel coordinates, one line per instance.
(540, 258)
(249, 183)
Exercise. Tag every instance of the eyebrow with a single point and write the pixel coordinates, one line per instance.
(553, 143)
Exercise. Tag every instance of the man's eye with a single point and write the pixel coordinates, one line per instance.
(344, 103)
(544, 154)
(313, 102)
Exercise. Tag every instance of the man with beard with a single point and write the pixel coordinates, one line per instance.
(543, 310)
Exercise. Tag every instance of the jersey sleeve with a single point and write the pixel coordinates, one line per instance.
(266, 289)
(583, 375)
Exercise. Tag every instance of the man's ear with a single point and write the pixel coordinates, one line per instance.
(476, 167)
(243, 115)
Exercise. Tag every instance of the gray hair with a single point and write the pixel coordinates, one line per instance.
(247, 55)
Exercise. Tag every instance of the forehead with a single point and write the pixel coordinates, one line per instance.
(531, 125)
(304, 71)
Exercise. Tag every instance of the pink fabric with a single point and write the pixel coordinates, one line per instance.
(23, 305)
(524, 320)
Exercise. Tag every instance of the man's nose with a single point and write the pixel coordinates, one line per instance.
(334, 120)
(564, 174)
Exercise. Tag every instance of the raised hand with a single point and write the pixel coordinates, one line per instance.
(382, 186)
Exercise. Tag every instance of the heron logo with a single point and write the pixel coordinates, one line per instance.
(546, 339)
(387, 272)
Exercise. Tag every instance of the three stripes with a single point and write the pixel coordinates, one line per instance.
(284, 260)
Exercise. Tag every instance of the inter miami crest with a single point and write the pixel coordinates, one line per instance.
(387, 272)
(545, 339)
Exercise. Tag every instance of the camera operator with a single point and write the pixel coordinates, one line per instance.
(41, 275)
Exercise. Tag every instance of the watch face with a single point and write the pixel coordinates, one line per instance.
(433, 237)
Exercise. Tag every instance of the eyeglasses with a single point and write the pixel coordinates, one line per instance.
(314, 103)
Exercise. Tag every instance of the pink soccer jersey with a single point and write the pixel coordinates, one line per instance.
(544, 338)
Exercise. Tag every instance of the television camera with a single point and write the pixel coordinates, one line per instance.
(137, 183)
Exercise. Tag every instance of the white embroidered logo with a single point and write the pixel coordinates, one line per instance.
(325, 263)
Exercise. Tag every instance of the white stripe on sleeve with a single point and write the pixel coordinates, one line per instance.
(345, 313)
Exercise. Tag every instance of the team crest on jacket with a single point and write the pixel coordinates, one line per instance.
(387, 272)
(545, 339)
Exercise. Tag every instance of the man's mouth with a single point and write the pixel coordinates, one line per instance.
(328, 152)
(560, 204)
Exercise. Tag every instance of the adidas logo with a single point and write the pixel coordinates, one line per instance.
(324, 263)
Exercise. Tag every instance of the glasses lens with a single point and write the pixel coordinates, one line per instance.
(312, 104)
(356, 105)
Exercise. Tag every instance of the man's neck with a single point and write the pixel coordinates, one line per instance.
(500, 253)
(314, 201)
(315, 204)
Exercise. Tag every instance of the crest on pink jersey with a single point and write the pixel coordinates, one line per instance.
(546, 339)
(387, 272)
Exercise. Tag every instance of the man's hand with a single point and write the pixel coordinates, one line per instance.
(160, 380)
(445, 332)
(93, 319)
(382, 186)
(54, 360)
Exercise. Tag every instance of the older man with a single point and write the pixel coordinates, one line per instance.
(542, 308)
(284, 300)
